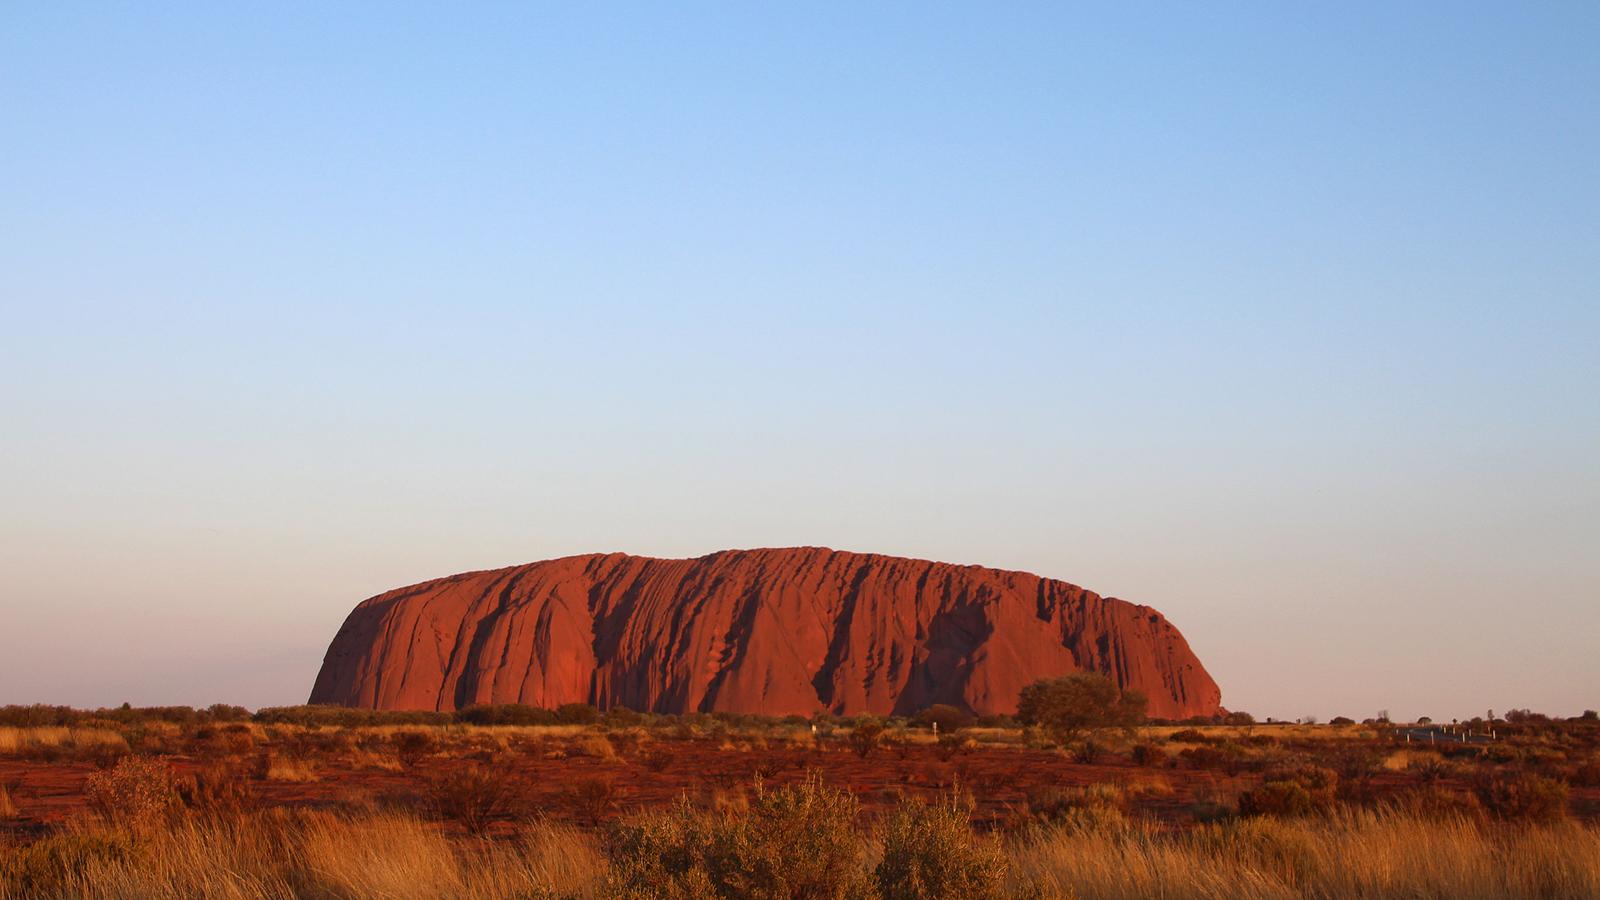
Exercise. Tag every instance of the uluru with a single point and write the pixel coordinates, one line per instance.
(773, 631)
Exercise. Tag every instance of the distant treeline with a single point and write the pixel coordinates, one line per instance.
(948, 718)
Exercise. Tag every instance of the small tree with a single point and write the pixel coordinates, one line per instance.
(866, 735)
(1073, 705)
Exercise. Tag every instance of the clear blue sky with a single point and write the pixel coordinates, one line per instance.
(1282, 318)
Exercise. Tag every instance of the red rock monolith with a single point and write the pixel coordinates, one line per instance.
(797, 630)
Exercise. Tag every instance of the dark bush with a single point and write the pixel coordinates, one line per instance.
(470, 795)
(623, 717)
(593, 798)
(1586, 774)
(347, 717)
(38, 715)
(656, 759)
(223, 712)
(1428, 768)
(1523, 797)
(1229, 758)
(949, 745)
(505, 714)
(414, 746)
(948, 718)
(1087, 752)
(1292, 792)
(577, 714)
(1355, 760)
(210, 742)
(1147, 754)
(125, 714)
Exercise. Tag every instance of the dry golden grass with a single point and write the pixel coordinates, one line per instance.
(375, 853)
(1146, 784)
(1350, 855)
(25, 740)
(370, 759)
(1400, 760)
(1276, 730)
(281, 768)
(8, 808)
(595, 745)
(303, 854)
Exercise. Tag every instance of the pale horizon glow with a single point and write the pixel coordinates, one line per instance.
(1284, 321)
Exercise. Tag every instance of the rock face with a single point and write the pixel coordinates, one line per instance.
(765, 631)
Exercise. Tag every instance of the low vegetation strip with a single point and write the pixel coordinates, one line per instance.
(805, 840)
(1078, 799)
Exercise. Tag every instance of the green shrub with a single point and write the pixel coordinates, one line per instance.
(929, 851)
(1071, 705)
(49, 866)
(1295, 792)
(795, 841)
(865, 736)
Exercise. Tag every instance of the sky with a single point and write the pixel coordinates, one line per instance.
(1281, 318)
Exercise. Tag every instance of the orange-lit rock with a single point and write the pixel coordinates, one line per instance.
(771, 631)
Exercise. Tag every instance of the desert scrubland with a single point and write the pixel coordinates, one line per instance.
(520, 802)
